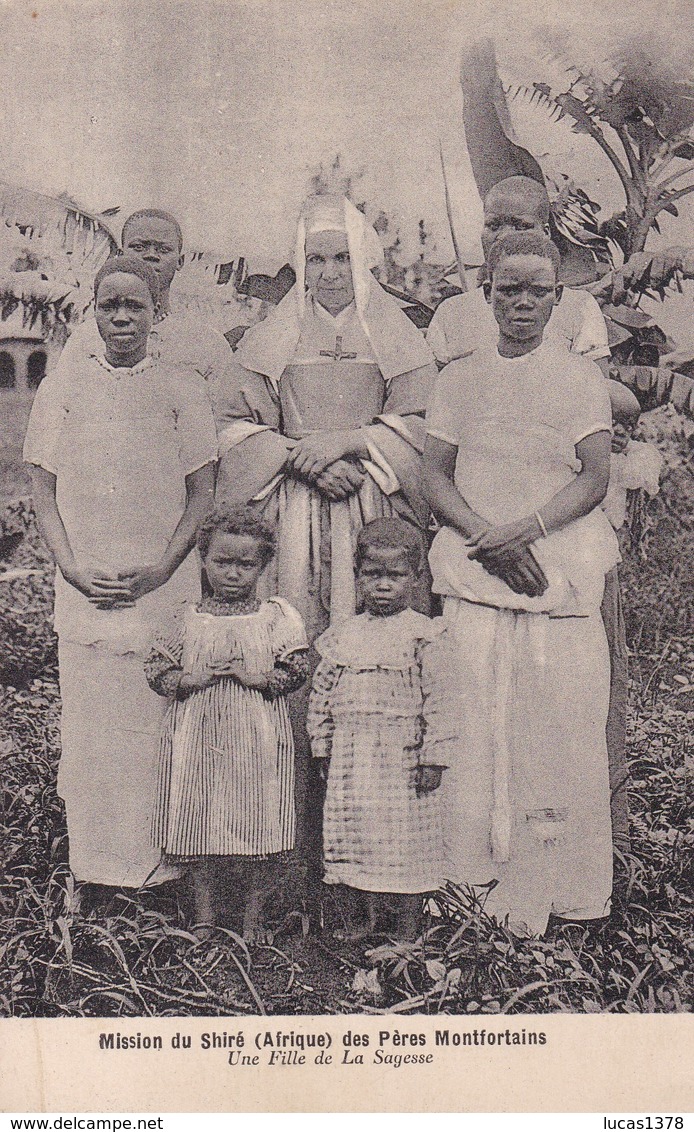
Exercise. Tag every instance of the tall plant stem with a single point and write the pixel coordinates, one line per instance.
(637, 173)
(675, 177)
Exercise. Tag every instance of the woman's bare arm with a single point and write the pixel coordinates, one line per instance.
(49, 521)
(442, 495)
(104, 590)
(584, 493)
(521, 573)
(200, 490)
(587, 490)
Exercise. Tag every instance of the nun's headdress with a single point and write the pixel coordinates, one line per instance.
(397, 344)
(331, 213)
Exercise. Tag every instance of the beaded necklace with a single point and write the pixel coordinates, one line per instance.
(222, 608)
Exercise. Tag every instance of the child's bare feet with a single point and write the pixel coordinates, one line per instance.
(203, 932)
(258, 937)
(254, 931)
(408, 925)
(203, 879)
(355, 934)
(362, 921)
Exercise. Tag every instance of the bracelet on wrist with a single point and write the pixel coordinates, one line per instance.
(541, 524)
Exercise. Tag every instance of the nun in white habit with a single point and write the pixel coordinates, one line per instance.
(323, 421)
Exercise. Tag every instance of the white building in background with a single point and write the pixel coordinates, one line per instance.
(25, 355)
(68, 243)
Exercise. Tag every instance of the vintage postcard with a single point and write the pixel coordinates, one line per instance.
(346, 655)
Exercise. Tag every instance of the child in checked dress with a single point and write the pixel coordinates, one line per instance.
(367, 712)
(226, 774)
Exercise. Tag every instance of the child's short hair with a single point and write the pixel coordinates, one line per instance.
(237, 521)
(156, 214)
(523, 243)
(129, 265)
(524, 189)
(625, 406)
(392, 534)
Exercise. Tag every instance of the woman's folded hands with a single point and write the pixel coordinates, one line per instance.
(105, 590)
(505, 552)
(116, 590)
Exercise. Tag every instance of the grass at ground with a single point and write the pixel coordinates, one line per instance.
(134, 955)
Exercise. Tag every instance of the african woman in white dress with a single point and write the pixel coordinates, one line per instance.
(516, 465)
(122, 450)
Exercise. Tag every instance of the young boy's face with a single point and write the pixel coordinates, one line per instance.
(504, 214)
(155, 241)
(233, 564)
(387, 580)
(124, 313)
(622, 430)
(523, 293)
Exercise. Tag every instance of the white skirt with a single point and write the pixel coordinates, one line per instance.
(526, 797)
(110, 728)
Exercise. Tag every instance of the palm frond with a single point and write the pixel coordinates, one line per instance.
(538, 94)
(36, 214)
(575, 217)
(587, 116)
(50, 249)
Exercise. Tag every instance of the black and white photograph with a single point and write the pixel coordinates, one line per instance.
(346, 510)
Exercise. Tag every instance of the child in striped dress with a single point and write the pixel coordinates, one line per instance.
(226, 776)
(371, 720)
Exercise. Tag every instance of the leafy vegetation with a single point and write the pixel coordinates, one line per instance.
(638, 107)
(409, 266)
(49, 252)
(29, 645)
(129, 954)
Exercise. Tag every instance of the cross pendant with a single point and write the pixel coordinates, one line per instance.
(337, 354)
